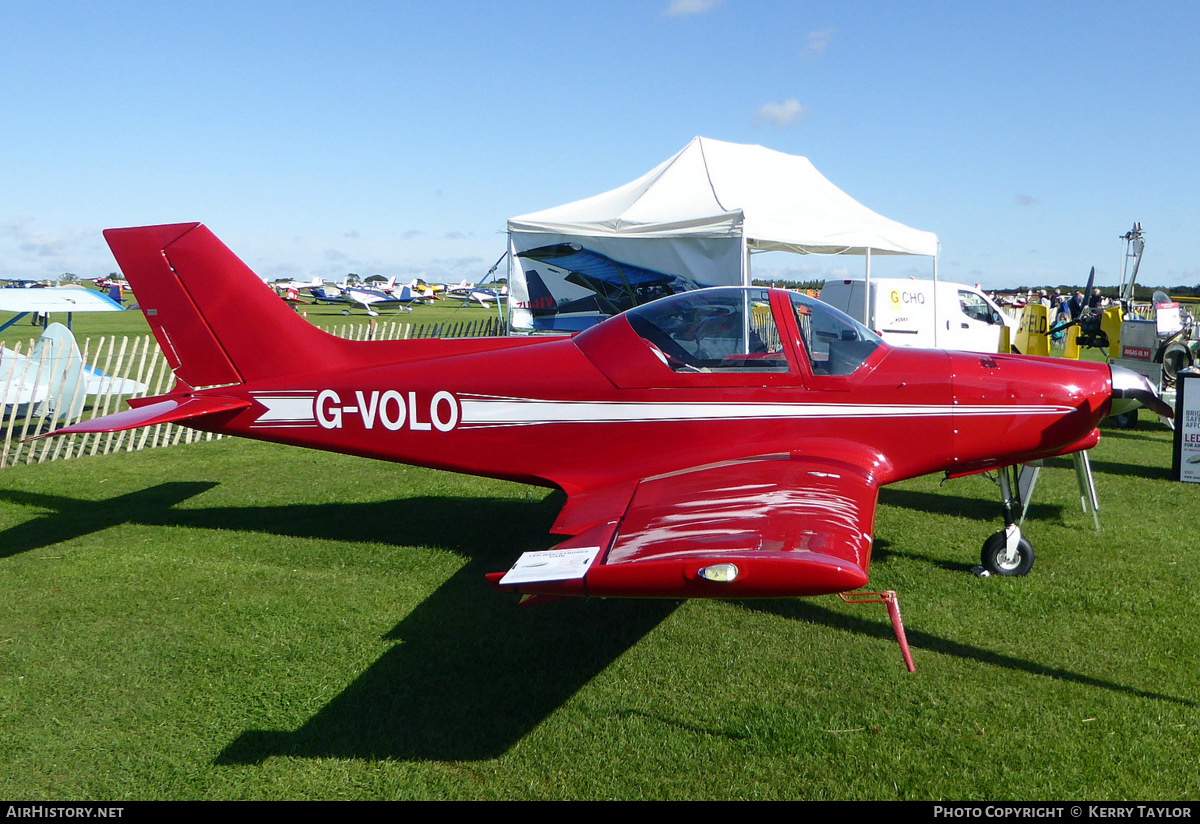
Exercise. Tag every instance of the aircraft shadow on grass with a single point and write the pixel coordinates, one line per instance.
(961, 506)
(811, 612)
(882, 550)
(470, 674)
(1151, 473)
(71, 518)
(1130, 435)
(976, 509)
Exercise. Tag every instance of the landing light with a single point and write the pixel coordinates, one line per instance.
(719, 573)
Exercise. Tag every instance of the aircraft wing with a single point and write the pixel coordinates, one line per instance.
(595, 266)
(57, 299)
(770, 526)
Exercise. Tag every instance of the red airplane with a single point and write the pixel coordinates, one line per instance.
(721, 443)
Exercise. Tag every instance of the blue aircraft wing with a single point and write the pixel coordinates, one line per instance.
(595, 266)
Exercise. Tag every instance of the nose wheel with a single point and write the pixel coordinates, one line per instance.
(1008, 552)
(998, 560)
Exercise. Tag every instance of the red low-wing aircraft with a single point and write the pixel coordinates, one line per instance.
(724, 443)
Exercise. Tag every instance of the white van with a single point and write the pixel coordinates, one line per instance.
(902, 312)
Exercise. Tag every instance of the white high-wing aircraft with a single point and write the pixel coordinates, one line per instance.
(53, 369)
(54, 372)
(69, 299)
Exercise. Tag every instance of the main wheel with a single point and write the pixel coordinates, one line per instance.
(994, 560)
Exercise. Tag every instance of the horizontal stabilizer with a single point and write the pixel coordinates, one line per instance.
(170, 410)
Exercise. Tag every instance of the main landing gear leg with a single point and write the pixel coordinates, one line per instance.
(1008, 552)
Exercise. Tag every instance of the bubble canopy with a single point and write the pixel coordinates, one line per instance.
(736, 329)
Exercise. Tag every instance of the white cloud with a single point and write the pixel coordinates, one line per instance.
(779, 115)
(29, 253)
(15, 228)
(683, 8)
(818, 42)
(40, 243)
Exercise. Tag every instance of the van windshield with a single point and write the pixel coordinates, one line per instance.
(835, 343)
(977, 308)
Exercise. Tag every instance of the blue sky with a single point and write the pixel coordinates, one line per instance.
(397, 137)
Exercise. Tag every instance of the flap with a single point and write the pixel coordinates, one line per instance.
(775, 505)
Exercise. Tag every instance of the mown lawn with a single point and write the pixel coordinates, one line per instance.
(235, 620)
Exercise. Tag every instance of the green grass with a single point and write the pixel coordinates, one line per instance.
(235, 620)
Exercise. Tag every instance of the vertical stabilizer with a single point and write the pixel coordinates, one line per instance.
(216, 321)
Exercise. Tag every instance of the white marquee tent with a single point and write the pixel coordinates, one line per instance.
(698, 217)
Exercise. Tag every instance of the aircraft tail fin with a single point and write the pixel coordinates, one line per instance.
(541, 301)
(216, 321)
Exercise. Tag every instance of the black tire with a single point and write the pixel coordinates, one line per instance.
(993, 554)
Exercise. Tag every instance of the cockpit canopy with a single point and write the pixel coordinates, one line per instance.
(726, 329)
(836, 344)
(735, 330)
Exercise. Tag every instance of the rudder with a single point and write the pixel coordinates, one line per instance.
(216, 321)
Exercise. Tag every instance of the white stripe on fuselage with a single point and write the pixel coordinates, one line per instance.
(297, 408)
(293, 409)
(488, 411)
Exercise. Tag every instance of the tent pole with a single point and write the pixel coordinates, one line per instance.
(745, 261)
(506, 318)
(867, 291)
(936, 328)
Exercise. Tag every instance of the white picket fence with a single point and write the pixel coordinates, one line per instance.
(394, 330)
(140, 359)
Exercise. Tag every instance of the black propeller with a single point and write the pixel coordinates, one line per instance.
(1083, 310)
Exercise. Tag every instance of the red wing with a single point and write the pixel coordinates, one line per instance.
(775, 526)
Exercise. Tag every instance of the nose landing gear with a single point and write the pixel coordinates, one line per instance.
(1008, 552)
(998, 559)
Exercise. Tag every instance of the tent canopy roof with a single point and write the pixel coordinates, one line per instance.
(778, 202)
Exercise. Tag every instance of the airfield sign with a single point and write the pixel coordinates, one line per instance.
(1186, 460)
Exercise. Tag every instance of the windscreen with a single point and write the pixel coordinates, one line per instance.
(835, 343)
